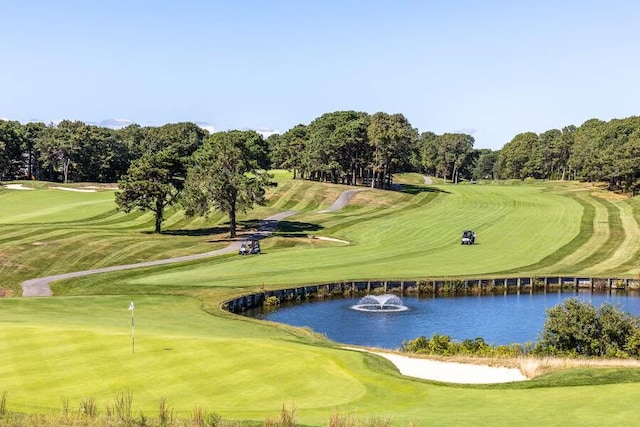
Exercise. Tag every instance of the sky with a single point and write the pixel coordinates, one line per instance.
(492, 69)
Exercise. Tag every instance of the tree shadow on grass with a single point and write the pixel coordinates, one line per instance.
(294, 227)
(418, 189)
(244, 227)
(195, 232)
(279, 226)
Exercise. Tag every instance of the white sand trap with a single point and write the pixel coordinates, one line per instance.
(329, 239)
(17, 187)
(451, 372)
(79, 190)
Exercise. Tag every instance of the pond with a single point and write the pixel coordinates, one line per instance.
(498, 319)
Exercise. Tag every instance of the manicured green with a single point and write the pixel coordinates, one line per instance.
(192, 353)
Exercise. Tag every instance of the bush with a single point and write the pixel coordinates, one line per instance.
(577, 328)
(443, 345)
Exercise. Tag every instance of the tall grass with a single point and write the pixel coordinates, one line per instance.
(3, 403)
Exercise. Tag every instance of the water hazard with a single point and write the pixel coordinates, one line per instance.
(499, 319)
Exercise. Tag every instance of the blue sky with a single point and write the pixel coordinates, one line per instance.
(490, 68)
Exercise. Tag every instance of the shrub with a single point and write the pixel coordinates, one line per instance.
(271, 301)
(576, 328)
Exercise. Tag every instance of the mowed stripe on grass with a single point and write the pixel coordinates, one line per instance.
(599, 231)
(626, 232)
(414, 241)
(48, 231)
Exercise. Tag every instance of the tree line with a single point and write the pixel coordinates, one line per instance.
(157, 167)
(73, 151)
(356, 148)
(347, 147)
(596, 151)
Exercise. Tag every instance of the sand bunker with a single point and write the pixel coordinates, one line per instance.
(79, 190)
(16, 187)
(450, 372)
(328, 239)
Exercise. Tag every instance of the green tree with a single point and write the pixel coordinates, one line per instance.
(58, 147)
(486, 163)
(287, 150)
(453, 154)
(335, 146)
(578, 328)
(11, 144)
(426, 153)
(393, 140)
(183, 138)
(226, 175)
(152, 183)
(31, 131)
(586, 157)
(515, 159)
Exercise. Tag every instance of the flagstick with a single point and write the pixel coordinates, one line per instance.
(133, 330)
(133, 335)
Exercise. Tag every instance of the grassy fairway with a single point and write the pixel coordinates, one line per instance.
(50, 231)
(416, 236)
(191, 353)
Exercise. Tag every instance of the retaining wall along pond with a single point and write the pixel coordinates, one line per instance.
(429, 287)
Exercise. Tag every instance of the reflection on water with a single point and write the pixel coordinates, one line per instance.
(499, 319)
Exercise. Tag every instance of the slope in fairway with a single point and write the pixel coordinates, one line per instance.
(516, 226)
(44, 206)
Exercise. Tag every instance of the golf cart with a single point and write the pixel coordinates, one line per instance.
(468, 237)
(249, 247)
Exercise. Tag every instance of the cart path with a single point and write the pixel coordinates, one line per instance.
(39, 287)
(427, 180)
(342, 200)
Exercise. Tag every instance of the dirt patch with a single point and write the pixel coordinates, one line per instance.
(373, 199)
(610, 195)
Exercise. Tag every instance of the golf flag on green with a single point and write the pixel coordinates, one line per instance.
(133, 331)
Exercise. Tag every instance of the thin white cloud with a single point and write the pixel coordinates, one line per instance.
(115, 123)
(206, 126)
(468, 131)
(266, 132)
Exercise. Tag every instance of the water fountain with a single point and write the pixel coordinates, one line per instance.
(380, 303)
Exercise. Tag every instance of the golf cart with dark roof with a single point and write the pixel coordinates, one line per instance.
(468, 237)
(249, 247)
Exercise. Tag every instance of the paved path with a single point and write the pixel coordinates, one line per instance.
(39, 287)
(342, 200)
(427, 180)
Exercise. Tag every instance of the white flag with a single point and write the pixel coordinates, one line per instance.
(131, 306)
